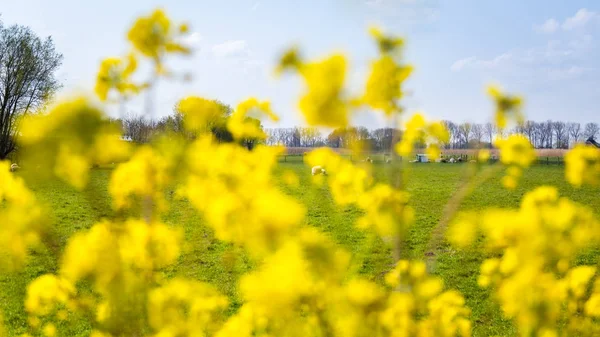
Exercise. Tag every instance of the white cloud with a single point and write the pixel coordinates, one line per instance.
(458, 65)
(192, 39)
(255, 6)
(474, 62)
(580, 19)
(550, 26)
(234, 48)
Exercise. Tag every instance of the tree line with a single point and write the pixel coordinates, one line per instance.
(542, 135)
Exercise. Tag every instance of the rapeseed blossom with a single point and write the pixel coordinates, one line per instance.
(114, 74)
(386, 210)
(199, 113)
(113, 274)
(418, 130)
(384, 85)
(154, 36)
(537, 245)
(508, 107)
(69, 139)
(242, 123)
(582, 165)
(517, 153)
(234, 190)
(324, 103)
(22, 221)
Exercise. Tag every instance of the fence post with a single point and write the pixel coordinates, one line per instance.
(547, 161)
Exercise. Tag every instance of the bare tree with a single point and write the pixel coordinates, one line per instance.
(488, 130)
(27, 81)
(529, 131)
(138, 128)
(575, 132)
(591, 130)
(560, 134)
(465, 134)
(477, 132)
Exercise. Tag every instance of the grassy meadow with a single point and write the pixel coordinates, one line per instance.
(207, 259)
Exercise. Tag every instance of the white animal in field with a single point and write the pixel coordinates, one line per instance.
(451, 160)
(14, 167)
(316, 170)
(388, 160)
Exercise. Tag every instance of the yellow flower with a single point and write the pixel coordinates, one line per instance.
(386, 44)
(463, 231)
(154, 36)
(49, 330)
(582, 165)
(386, 209)
(363, 293)
(199, 113)
(234, 190)
(183, 307)
(72, 167)
(145, 175)
(418, 130)
(65, 141)
(384, 85)
(22, 221)
(45, 293)
(324, 103)
(245, 120)
(290, 178)
(592, 306)
(281, 282)
(579, 278)
(289, 60)
(149, 246)
(113, 74)
(346, 181)
(483, 155)
(516, 150)
(507, 106)
(94, 252)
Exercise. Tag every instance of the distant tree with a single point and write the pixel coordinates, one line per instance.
(575, 132)
(27, 79)
(560, 135)
(488, 129)
(529, 131)
(591, 130)
(464, 130)
(477, 132)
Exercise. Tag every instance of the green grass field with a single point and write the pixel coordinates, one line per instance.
(206, 259)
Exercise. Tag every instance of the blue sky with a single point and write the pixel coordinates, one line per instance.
(546, 50)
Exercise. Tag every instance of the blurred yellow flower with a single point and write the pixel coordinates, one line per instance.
(324, 103)
(113, 74)
(384, 85)
(245, 120)
(154, 35)
(199, 113)
(582, 165)
(507, 107)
